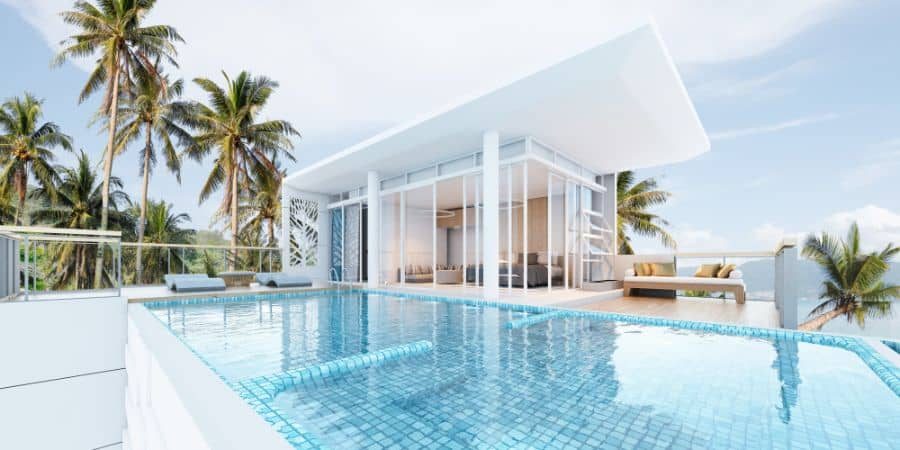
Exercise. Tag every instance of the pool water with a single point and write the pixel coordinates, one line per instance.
(568, 382)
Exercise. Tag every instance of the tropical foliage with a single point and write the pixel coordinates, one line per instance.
(114, 32)
(78, 203)
(634, 201)
(26, 150)
(853, 287)
(163, 226)
(228, 126)
(141, 108)
(261, 206)
(153, 111)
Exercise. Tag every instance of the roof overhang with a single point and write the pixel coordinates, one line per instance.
(618, 106)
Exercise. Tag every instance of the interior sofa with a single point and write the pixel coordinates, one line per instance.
(709, 277)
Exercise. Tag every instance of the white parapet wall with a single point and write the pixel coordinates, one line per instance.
(174, 401)
(62, 376)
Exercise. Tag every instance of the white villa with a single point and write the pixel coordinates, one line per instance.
(513, 188)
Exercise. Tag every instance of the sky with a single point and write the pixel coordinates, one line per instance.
(800, 99)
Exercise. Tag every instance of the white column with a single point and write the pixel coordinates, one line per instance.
(491, 199)
(374, 228)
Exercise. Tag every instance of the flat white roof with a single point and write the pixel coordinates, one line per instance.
(618, 106)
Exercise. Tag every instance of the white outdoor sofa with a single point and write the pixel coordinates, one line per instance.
(733, 284)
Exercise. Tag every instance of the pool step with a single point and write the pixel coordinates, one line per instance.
(272, 385)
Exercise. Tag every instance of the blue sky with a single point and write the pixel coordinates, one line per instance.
(800, 98)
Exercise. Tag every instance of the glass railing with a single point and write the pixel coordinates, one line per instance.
(159, 259)
(67, 263)
(757, 271)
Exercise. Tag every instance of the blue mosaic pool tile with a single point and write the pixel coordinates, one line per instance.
(613, 431)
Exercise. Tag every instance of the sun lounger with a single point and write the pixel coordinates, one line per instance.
(281, 279)
(172, 278)
(263, 278)
(199, 285)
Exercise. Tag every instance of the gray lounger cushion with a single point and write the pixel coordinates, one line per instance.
(200, 285)
(285, 280)
(263, 278)
(172, 278)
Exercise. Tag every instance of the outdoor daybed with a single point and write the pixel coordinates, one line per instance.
(193, 283)
(281, 279)
(709, 281)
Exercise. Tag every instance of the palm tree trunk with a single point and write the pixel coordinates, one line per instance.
(271, 232)
(143, 220)
(234, 214)
(20, 210)
(21, 183)
(107, 169)
(819, 321)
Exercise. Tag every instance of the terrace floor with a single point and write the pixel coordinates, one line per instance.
(751, 313)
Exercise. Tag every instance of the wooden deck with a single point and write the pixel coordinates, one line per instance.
(751, 313)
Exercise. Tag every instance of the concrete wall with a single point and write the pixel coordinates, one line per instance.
(174, 401)
(319, 270)
(62, 381)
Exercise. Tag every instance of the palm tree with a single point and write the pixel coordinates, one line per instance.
(633, 202)
(163, 226)
(263, 202)
(113, 30)
(229, 125)
(853, 287)
(79, 204)
(153, 111)
(26, 149)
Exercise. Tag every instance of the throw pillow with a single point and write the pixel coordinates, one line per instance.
(663, 269)
(726, 270)
(707, 270)
(643, 269)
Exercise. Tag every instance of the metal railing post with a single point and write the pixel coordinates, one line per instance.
(26, 267)
(119, 258)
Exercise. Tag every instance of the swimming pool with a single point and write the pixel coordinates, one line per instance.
(376, 370)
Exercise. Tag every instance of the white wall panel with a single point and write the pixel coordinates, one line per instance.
(83, 412)
(44, 340)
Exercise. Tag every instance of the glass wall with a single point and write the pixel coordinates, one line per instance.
(557, 235)
(450, 250)
(420, 248)
(433, 233)
(472, 228)
(391, 238)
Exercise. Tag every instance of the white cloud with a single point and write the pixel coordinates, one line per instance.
(769, 235)
(883, 163)
(354, 65)
(757, 86)
(698, 240)
(877, 226)
(689, 239)
(772, 128)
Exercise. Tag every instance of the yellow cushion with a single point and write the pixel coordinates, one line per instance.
(643, 269)
(707, 270)
(726, 270)
(663, 269)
